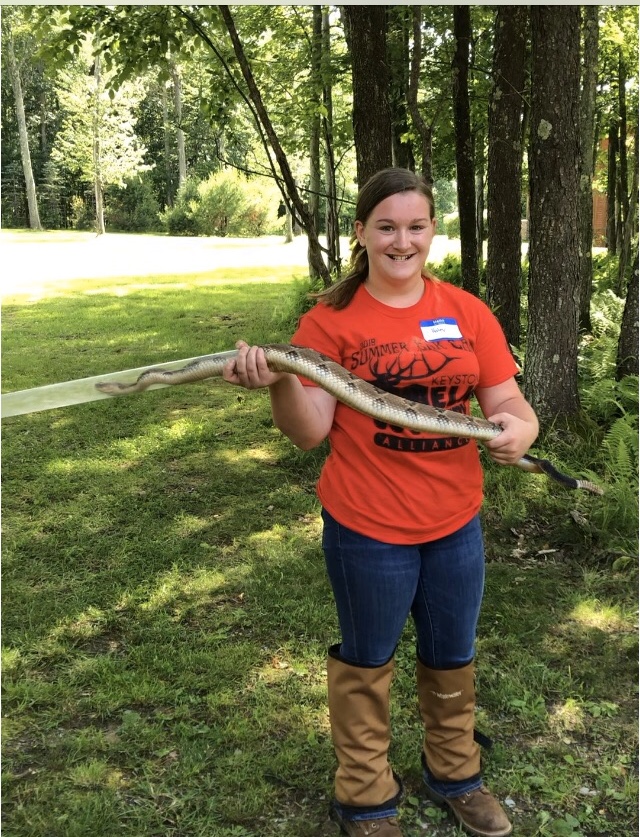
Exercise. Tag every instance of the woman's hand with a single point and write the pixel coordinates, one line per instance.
(304, 414)
(249, 368)
(515, 440)
(505, 405)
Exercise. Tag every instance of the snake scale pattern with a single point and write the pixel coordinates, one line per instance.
(352, 391)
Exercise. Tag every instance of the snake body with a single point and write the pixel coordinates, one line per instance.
(354, 392)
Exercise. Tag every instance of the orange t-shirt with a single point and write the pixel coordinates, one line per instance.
(389, 483)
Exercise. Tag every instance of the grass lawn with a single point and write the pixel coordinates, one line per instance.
(166, 613)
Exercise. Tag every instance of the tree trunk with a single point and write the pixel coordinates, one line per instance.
(423, 130)
(366, 28)
(25, 154)
(612, 185)
(177, 105)
(551, 369)
(314, 129)
(288, 233)
(630, 226)
(480, 182)
(168, 184)
(290, 192)
(464, 151)
(627, 356)
(332, 220)
(98, 186)
(622, 134)
(587, 118)
(398, 31)
(504, 177)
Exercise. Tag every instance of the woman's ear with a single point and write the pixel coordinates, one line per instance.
(358, 228)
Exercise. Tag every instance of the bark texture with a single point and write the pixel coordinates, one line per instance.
(98, 185)
(627, 357)
(366, 38)
(504, 193)
(422, 129)
(587, 118)
(464, 151)
(551, 371)
(25, 153)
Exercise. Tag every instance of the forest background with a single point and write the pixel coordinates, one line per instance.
(232, 121)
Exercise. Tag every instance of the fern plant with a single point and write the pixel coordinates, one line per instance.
(620, 445)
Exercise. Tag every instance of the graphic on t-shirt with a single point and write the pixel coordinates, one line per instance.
(427, 372)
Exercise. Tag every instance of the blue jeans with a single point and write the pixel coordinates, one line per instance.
(377, 586)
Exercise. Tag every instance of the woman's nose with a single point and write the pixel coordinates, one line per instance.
(401, 238)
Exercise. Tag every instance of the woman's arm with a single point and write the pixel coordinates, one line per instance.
(304, 414)
(505, 405)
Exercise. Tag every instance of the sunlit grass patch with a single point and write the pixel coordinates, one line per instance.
(594, 614)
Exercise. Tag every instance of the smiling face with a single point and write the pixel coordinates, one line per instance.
(397, 236)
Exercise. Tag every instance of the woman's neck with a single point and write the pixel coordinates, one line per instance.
(400, 296)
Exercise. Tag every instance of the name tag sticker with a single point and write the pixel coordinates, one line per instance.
(444, 328)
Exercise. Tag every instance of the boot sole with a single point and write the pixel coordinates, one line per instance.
(442, 802)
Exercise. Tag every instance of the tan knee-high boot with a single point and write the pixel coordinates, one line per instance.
(447, 703)
(359, 715)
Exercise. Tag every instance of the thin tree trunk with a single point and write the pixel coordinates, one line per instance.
(398, 31)
(288, 233)
(612, 185)
(504, 176)
(587, 118)
(332, 220)
(314, 131)
(167, 148)
(622, 147)
(464, 151)
(422, 129)
(98, 186)
(25, 154)
(290, 193)
(630, 226)
(177, 104)
(627, 356)
(551, 369)
(479, 201)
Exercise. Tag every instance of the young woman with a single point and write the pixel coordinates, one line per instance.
(401, 530)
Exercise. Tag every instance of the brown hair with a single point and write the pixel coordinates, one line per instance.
(381, 185)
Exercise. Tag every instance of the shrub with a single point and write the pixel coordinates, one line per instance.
(221, 205)
(225, 203)
(449, 270)
(82, 216)
(179, 219)
(296, 302)
(133, 207)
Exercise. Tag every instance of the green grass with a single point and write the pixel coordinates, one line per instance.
(166, 613)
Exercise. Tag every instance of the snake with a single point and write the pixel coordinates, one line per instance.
(353, 391)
